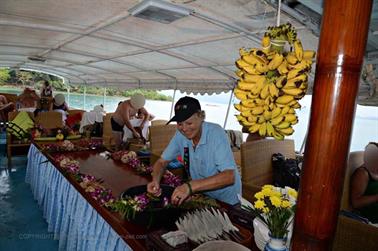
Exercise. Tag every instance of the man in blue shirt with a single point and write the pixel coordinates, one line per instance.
(211, 165)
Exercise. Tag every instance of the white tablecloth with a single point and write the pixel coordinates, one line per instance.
(135, 123)
(89, 118)
(74, 222)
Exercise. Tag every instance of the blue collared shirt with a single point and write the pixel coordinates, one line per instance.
(211, 156)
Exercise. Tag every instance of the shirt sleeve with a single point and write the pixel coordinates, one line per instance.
(173, 148)
(224, 159)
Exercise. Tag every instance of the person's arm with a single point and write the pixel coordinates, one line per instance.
(359, 182)
(146, 116)
(126, 116)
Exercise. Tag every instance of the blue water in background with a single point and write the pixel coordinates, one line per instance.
(365, 127)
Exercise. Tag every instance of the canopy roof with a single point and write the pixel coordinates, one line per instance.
(102, 43)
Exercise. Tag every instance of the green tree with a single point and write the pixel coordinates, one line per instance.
(4, 76)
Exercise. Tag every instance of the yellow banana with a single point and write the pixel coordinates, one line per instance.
(284, 99)
(262, 68)
(267, 115)
(243, 51)
(294, 122)
(252, 96)
(278, 136)
(290, 117)
(239, 73)
(251, 70)
(240, 94)
(254, 128)
(253, 78)
(269, 129)
(239, 107)
(291, 111)
(294, 104)
(291, 58)
(309, 54)
(282, 125)
(294, 73)
(240, 63)
(252, 119)
(281, 81)
(285, 110)
(246, 86)
(292, 91)
(276, 61)
(275, 112)
(262, 129)
(248, 103)
(282, 68)
(298, 49)
(265, 42)
(273, 90)
(277, 120)
(257, 110)
(246, 113)
(303, 65)
(264, 92)
(260, 119)
(252, 59)
(287, 131)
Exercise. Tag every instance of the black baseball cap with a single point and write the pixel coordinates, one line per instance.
(184, 108)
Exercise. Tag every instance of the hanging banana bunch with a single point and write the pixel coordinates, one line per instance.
(271, 81)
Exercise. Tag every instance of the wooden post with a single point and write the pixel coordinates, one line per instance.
(341, 49)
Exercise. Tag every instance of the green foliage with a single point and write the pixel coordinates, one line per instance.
(4, 76)
(35, 79)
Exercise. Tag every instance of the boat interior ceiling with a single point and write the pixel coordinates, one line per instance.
(189, 45)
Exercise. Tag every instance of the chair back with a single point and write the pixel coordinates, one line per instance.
(256, 159)
(10, 97)
(107, 136)
(355, 160)
(160, 136)
(158, 122)
(49, 120)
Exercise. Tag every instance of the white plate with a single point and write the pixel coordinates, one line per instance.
(221, 246)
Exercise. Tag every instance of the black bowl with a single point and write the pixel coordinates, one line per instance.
(155, 217)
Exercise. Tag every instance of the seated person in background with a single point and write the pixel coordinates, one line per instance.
(5, 108)
(28, 100)
(364, 185)
(60, 105)
(46, 89)
(124, 113)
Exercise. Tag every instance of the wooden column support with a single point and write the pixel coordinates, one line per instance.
(341, 49)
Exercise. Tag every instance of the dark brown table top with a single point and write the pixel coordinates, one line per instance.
(116, 176)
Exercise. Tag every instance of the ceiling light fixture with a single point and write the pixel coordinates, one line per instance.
(160, 11)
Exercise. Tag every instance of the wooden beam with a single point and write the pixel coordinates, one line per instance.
(341, 49)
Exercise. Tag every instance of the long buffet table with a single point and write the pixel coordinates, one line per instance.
(76, 219)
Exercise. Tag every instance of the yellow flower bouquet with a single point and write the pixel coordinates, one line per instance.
(275, 207)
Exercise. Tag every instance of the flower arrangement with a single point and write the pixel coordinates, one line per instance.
(129, 206)
(131, 159)
(275, 207)
(89, 183)
(69, 146)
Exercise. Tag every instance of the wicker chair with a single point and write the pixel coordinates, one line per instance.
(256, 163)
(160, 136)
(107, 136)
(354, 235)
(49, 119)
(158, 122)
